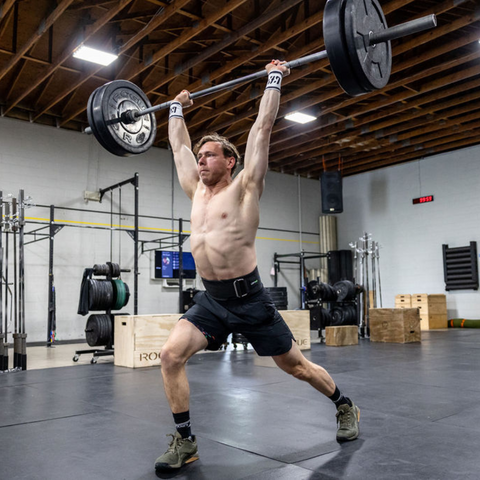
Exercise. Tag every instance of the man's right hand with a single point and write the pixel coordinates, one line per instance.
(184, 98)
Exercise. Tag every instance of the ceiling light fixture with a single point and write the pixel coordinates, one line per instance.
(93, 55)
(300, 117)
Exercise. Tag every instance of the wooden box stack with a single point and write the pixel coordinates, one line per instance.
(395, 325)
(299, 323)
(403, 301)
(140, 338)
(341, 336)
(433, 310)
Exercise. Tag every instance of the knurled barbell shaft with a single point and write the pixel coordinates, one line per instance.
(314, 57)
(375, 38)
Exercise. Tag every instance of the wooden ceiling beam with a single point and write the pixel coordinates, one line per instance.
(220, 45)
(91, 3)
(168, 12)
(44, 25)
(416, 143)
(40, 61)
(421, 142)
(274, 40)
(78, 38)
(405, 124)
(283, 111)
(218, 26)
(157, 56)
(374, 130)
(440, 129)
(5, 7)
(246, 114)
(186, 36)
(326, 126)
(282, 125)
(381, 163)
(313, 46)
(406, 64)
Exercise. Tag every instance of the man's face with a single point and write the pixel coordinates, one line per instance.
(212, 164)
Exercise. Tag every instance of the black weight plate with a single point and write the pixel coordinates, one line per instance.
(313, 290)
(98, 330)
(337, 49)
(371, 65)
(121, 139)
(338, 317)
(127, 294)
(345, 290)
(93, 120)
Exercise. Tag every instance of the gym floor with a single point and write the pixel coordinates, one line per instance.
(419, 416)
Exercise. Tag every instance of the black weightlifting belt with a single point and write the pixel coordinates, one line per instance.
(235, 288)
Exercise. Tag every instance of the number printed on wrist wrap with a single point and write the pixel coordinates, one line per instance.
(274, 80)
(176, 110)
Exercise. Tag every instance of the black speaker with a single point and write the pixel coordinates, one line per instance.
(332, 200)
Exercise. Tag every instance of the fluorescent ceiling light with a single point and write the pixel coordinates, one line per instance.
(95, 56)
(300, 117)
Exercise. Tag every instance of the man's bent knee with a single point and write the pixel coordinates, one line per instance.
(170, 359)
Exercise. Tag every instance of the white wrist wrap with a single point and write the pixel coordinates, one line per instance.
(274, 80)
(176, 110)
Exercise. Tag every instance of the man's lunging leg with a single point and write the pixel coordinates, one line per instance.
(184, 341)
(348, 414)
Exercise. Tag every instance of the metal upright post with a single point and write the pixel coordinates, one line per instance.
(377, 248)
(276, 267)
(367, 287)
(362, 297)
(5, 330)
(15, 334)
(302, 279)
(51, 302)
(374, 276)
(21, 218)
(2, 336)
(180, 265)
(135, 259)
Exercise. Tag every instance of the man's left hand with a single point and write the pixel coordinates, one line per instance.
(278, 65)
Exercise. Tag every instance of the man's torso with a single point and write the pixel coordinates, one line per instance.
(223, 229)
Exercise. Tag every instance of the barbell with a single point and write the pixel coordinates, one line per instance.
(357, 41)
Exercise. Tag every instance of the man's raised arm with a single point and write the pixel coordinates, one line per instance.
(256, 153)
(181, 144)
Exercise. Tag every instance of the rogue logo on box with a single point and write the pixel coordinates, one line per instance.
(152, 356)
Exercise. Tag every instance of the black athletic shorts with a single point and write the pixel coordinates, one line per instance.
(242, 308)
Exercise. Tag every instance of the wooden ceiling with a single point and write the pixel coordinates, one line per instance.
(430, 105)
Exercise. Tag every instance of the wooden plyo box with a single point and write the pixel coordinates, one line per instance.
(433, 310)
(395, 325)
(140, 338)
(341, 336)
(403, 301)
(431, 321)
(299, 323)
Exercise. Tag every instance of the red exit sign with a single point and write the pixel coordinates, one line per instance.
(427, 199)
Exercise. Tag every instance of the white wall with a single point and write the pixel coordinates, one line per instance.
(411, 236)
(56, 166)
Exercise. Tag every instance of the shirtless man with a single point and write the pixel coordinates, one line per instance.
(224, 222)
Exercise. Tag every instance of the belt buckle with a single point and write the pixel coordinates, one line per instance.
(237, 289)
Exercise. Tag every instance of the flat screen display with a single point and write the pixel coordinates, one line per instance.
(167, 264)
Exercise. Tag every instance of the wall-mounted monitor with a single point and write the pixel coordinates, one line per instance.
(167, 264)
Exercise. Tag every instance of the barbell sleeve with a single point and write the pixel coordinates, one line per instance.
(402, 30)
